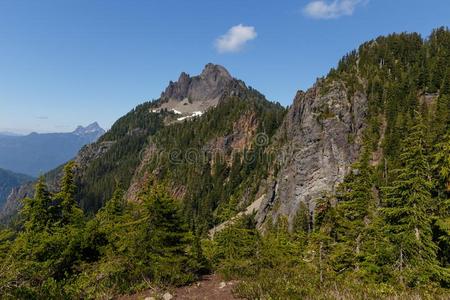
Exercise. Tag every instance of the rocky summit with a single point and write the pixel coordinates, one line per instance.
(192, 96)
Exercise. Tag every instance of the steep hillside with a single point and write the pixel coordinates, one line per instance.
(215, 163)
(8, 181)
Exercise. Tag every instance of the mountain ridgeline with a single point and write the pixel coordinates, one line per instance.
(35, 154)
(344, 194)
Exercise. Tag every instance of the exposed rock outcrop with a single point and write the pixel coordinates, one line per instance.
(207, 86)
(320, 137)
(194, 95)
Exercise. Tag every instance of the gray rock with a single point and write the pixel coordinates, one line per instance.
(198, 93)
(208, 85)
(320, 139)
(167, 296)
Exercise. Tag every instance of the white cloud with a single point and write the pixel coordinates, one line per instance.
(235, 38)
(320, 9)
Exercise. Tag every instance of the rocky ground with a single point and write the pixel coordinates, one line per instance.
(211, 287)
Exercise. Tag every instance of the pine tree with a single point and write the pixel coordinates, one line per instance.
(199, 262)
(407, 212)
(163, 236)
(441, 168)
(116, 205)
(441, 121)
(445, 86)
(69, 206)
(354, 213)
(302, 220)
(36, 211)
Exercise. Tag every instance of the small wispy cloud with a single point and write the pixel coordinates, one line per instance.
(321, 9)
(235, 39)
(42, 117)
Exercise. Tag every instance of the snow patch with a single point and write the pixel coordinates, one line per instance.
(194, 114)
(176, 111)
(183, 118)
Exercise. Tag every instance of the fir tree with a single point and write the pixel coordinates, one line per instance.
(163, 236)
(441, 168)
(407, 212)
(116, 205)
(69, 206)
(36, 211)
(354, 212)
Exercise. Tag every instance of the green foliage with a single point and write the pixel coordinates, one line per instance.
(197, 157)
(407, 211)
(384, 233)
(397, 71)
(354, 215)
(60, 255)
(127, 138)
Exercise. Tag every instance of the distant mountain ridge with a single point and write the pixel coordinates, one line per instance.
(36, 153)
(8, 133)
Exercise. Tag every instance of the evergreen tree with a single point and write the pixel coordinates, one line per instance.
(199, 262)
(354, 213)
(116, 205)
(445, 86)
(70, 212)
(407, 213)
(302, 221)
(441, 168)
(163, 240)
(36, 211)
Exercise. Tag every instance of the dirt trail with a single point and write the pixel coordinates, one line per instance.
(211, 287)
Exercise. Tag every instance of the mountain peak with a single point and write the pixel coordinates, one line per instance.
(214, 72)
(91, 129)
(193, 95)
(207, 85)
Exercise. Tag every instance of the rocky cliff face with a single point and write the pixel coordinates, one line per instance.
(321, 137)
(206, 86)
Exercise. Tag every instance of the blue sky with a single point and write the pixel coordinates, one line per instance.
(70, 62)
